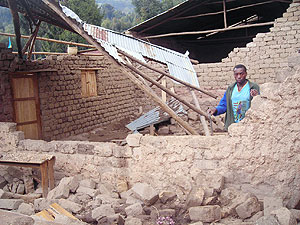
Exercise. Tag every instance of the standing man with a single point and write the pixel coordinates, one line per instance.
(237, 98)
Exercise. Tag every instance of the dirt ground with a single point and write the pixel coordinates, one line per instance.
(114, 132)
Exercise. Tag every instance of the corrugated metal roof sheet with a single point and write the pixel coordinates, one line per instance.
(156, 115)
(178, 64)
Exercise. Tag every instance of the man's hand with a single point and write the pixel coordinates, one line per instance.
(211, 111)
(253, 92)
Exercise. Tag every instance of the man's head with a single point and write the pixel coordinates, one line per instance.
(240, 74)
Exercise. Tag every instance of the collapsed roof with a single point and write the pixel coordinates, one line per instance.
(111, 44)
(205, 26)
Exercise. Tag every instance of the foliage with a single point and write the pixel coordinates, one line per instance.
(121, 5)
(87, 10)
(117, 15)
(149, 8)
(117, 20)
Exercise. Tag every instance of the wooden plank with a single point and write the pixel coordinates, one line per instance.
(168, 91)
(28, 73)
(33, 40)
(92, 84)
(166, 74)
(27, 122)
(163, 93)
(20, 164)
(45, 178)
(202, 118)
(37, 107)
(51, 163)
(62, 211)
(23, 87)
(96, 68)
(51, 40)
(25, 111)
(210, 31)
(221, 12)
(83, 84)
(162, 104)
(30, 131)
(45, 214)
(24, 99)
(225, 16)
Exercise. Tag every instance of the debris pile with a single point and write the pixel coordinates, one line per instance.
(97, 203)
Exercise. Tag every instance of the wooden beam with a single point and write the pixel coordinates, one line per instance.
(50, 40)
(167, 90)
(44, 53)
(32, 37)
(202, 118)
(161, 103)
(33, 40)
(24, 4)
(224, 11)
(209, 31)
(221, 12)
(175, 15)
(53, 5)
(167, 75)
(16, 20)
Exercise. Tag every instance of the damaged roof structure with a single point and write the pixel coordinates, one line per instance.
(112, 45)
(210, 29)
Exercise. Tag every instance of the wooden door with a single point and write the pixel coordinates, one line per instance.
(26, 105)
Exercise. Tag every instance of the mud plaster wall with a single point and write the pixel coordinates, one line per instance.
(260, 154)
(266, 58)
(64, 111)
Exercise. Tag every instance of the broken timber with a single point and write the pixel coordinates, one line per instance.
(53, 5)
(202, 119)
(166, 74)
(168, 91)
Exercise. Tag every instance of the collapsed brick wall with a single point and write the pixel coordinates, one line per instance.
(64, 111)
(260, 154)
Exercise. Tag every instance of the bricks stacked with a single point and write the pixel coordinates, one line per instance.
(265, 56)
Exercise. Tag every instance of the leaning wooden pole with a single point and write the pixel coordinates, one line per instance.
(167, 90)
(166, 74)
(31, 37)
(202, 118)
(161, 103)
(51, 40)
(14, 12)
(142, 86)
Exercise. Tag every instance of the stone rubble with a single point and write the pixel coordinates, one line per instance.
(141, 204)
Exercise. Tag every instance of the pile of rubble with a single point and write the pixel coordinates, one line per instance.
(96, 203)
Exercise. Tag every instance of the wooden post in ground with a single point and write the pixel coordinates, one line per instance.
(202, 118)
(163, 93)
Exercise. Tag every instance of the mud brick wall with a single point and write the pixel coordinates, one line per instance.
(265, 57)
(6, 107)
(64, 111)
(259, 155)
